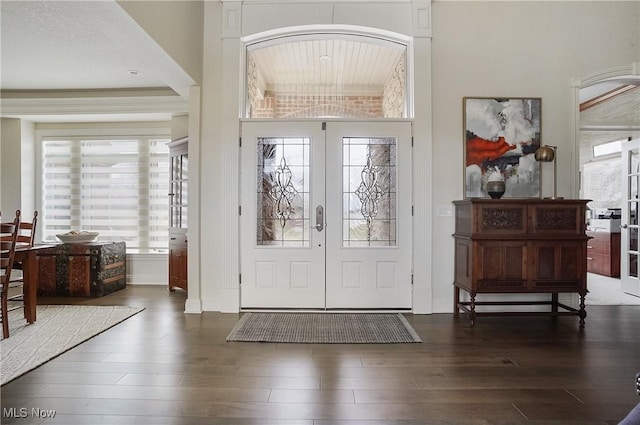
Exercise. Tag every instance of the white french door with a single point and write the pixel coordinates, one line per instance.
(326, 215)
(281, 251)
(368, 195)
(629, 220)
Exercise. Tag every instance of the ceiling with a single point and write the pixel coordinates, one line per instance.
(96, 45)
(611, 105)
(72, 46)
(342, 65)
(66, 45)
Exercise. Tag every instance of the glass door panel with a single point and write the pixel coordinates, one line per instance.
(369, 192)
(282, 190)
(179, 191)
(629, 222)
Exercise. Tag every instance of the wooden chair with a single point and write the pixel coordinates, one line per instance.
(27, 230)
(8, 239)
(26, 236)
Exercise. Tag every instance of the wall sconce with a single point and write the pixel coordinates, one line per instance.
(547, 153)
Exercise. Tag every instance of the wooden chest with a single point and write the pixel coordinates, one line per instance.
(92, 269)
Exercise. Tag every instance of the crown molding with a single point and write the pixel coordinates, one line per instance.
(92, 105)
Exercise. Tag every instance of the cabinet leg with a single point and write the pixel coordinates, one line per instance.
(582, 313)
(456, 301)
(472, 309)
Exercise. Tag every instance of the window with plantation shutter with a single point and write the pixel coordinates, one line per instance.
(115, 186)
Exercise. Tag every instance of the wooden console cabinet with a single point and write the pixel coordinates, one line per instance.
(520, 246)
(603, 253)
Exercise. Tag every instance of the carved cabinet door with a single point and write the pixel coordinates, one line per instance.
(502, 265)
(558, 265)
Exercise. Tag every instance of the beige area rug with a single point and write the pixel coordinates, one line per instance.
(324, 328)
(58, 328)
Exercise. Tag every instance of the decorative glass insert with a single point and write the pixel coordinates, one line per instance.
(634, 195)
(369, 192)
(634, 204)
(283, 191)
(179, 191)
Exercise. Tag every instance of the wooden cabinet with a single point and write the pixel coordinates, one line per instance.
(523, 246)
(179, 172)
(603, 253)
(177, 259)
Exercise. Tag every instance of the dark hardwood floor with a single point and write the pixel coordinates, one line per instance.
(164, 367)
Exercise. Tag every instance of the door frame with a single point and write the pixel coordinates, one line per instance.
(628, 283)
(219, 136)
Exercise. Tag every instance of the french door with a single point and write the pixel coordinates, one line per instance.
(629, 220)
(326, 215)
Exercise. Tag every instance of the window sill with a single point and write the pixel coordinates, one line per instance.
(134, 251)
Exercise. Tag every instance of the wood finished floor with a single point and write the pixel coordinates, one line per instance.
(164, 367)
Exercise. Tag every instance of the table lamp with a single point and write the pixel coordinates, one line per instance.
(547, 153)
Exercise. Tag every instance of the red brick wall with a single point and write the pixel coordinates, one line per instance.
(308, 106)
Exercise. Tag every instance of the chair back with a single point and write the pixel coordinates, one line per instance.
(8, 239)
(27, 230)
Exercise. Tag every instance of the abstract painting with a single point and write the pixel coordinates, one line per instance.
(501, 136)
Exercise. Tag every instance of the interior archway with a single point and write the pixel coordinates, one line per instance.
(607, 106)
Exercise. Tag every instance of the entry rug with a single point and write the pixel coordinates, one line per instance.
(324, 328)
(57, 329)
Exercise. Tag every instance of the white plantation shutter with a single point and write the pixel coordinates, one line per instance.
(114, 186)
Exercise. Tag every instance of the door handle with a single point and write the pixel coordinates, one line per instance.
(623, 226)
(319, 218)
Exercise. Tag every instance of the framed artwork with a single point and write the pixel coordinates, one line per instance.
(501, 136)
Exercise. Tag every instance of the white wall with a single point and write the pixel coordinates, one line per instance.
(176, 26)
(27, 169)
(520, 49)
(10, 165)
(147, 269)
(211, 239)
(17, 166)
(392, 16)
(222, 87)
(179, 126)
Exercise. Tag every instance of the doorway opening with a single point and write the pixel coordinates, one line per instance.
(607, 119)
(326, 170)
